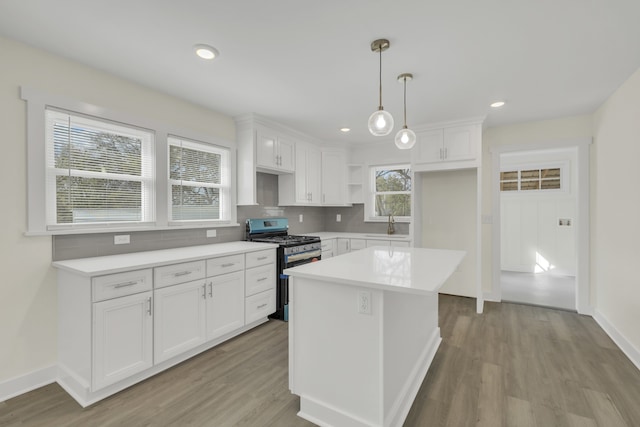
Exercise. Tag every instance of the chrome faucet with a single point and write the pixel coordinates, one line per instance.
(391, 229)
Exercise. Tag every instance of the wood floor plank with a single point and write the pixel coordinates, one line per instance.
(604, 410)
(514, 365)
(490, 400)
(518, 413)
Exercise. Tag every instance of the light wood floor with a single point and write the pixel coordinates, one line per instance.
(515, 365)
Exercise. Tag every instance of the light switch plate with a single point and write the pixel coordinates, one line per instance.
(338, 217)
(211, 233)
(300, 218)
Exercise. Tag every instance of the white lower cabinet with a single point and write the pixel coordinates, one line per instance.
(225, 304)
(346, 245)
(329, 246)
(392, 243)
(122, 338)
(179, 319)
(115, 330)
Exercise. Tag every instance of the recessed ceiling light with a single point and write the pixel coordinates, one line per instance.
(205, 51)
(497, 104)
(345, 130)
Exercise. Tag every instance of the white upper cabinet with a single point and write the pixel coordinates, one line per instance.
(303, 188)
(448, 147)
(334, 182)
(273, 151)
(263, 146)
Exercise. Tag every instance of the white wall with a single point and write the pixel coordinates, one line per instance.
(615, 230)
(524, 134)
(28, 304)
(449, 213)
(531, 239)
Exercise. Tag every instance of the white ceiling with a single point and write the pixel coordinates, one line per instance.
(308, 64)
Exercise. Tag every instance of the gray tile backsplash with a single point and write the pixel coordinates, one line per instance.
(314, 219)
(352, 221)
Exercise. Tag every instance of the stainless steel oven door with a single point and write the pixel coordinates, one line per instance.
(302, 258)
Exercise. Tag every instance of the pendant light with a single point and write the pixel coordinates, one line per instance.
(405, 138)
(380, 122)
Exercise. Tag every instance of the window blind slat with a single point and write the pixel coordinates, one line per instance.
(99, 172)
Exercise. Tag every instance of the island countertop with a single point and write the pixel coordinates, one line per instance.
(400, 269)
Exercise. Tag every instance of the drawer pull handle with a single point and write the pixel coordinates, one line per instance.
(262, 305)
(150, 305)
(260, 258)
(229, 264)
(122, 285)
(182, 273)
(262, 279)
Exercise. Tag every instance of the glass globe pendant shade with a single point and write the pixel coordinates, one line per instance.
(405, 139)
(380, 123)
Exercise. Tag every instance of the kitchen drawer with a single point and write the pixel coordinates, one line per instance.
(178, 273)
(121, 284)
(259, 306)
(259, 279)
(327, 254)
(255, 259)
(327, 245)
(225, 264)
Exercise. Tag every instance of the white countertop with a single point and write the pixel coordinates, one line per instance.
(371, 236)
(95, 266)
(413, 270)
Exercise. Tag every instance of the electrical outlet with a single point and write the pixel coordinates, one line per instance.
(300, 218)
(211, 233)
(338, 217)
(364, 302)
(123, 239)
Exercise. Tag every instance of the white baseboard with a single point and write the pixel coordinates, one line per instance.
(24, 383)
(491, 296)
(627, 347)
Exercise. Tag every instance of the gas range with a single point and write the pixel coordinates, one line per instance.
(275, 230)
(292, 250)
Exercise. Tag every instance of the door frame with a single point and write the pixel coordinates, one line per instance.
(583, 280)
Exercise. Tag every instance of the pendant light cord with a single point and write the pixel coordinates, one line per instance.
(380, 79)
(405, 102)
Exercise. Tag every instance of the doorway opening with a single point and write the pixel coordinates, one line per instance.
(540, 231)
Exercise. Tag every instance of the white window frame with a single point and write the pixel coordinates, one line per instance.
(38, 101)
(564, 167)
(370, 201)
(224, 186)
(146, 179)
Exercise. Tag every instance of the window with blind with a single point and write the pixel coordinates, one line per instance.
(199, 181)
(98, 171)
(391, 192)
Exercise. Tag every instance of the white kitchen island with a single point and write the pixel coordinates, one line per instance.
(363, 330)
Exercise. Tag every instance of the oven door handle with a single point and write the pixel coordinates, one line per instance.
(303, 255)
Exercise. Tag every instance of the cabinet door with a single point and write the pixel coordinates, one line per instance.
(286, 154)
(179, 319)
(357, 244)
(343, 246)
(429, 146)
(459, 143)
(314, 175)
(266, 149)
(225, 304)
(334, 167)
(300, 175)
(122, 338)
(378, 242)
